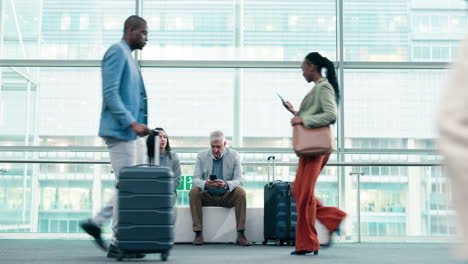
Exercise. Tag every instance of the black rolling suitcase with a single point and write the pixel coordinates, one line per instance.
(146, 208)
(279, 219)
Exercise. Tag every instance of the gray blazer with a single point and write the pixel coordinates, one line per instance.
(174, 164)
(232, 169)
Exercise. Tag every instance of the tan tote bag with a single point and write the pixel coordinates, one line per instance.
(311, 142)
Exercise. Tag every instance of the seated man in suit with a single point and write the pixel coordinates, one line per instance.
(225, 190)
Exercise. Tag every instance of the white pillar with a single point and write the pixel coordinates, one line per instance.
(415, 197)
(97, 190)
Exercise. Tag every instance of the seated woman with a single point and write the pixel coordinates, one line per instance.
(167, 157)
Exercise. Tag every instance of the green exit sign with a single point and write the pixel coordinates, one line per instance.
(185, 183)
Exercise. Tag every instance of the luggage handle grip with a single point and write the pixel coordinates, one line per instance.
(272, 157)
(157, 142)
(145, 165)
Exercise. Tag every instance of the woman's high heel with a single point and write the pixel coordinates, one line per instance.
(330, 238)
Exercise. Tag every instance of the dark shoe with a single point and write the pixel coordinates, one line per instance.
(94, 231)
(198, 241)
(303, 252)
(115, 252)
(242, 241)
(330, 238)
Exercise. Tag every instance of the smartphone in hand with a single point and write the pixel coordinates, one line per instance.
(212, 177)
(284, 102)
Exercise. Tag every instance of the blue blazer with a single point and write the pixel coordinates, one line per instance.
(123, 94)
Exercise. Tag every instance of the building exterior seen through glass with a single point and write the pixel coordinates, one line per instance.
(387, 113)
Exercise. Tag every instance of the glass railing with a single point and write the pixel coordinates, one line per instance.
(388, 197)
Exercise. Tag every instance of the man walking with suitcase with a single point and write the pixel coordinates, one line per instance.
(123, 118)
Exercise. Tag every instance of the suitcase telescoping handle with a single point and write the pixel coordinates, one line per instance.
(157, 142)
(272, 159)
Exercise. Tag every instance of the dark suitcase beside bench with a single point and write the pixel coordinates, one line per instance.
(279, 219)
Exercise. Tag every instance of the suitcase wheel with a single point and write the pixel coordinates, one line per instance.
(164, 255)
(264, 242)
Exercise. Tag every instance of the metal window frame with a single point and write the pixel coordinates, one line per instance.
(246, 163)
(357, 65)
(340, 64)
(197, 149)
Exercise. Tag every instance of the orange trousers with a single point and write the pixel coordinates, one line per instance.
(308, 207)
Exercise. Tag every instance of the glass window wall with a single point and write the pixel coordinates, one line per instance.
(51, 112)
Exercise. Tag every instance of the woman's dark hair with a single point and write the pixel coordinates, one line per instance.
(321, 62)
(150, 145)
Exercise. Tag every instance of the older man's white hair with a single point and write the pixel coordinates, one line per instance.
(217, 135)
